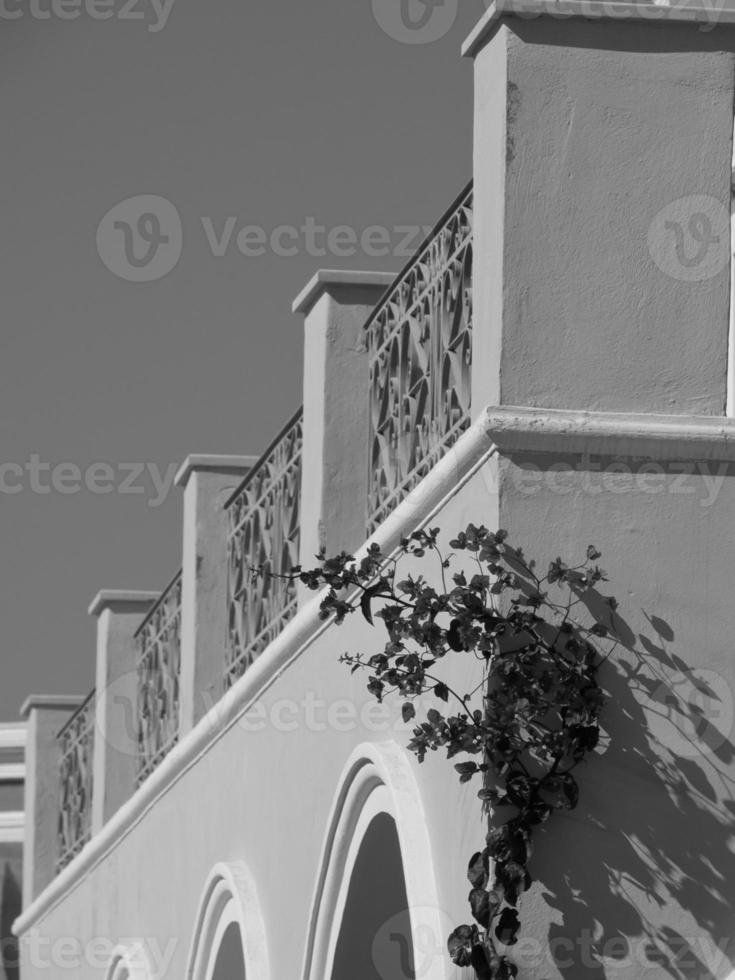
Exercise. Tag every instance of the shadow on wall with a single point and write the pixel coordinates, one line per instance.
(10, 908)
(639, 880)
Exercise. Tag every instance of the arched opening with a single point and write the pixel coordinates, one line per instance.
(375, 933)
(230, 963)
(129, 963)
(229, 940)
(376, 864)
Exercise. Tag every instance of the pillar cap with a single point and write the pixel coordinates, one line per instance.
(50, 702)
(201, 462)
(710, 12)
(109, 597)
(325, 278)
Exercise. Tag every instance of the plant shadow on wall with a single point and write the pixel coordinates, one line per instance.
(557, 668)
(651, 843)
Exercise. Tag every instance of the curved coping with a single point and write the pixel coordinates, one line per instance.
(229, 896)
(496, 430)
(129, 962)
(378, 778)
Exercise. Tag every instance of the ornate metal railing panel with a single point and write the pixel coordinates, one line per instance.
(159, 667)
(263, 534)
(420, 343)
(76, 740)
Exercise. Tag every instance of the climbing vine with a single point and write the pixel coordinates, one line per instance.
(531, 719)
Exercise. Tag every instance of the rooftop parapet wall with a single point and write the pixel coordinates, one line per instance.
(386, 395)
(602, 159)
(118, 615)
(334, 492)
(419, 341)
(44, 716)
(263, 538)
(208, 482)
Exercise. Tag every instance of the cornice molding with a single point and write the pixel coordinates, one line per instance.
(636, 435)
(689, 12)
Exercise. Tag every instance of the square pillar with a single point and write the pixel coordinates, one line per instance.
(336, 306)
(118, 614)
(207, 481)
(45, 716)
(602, 162)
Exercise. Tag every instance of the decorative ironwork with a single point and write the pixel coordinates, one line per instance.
(159, 666)
(263, 534)
(420, 343)
(76, 740)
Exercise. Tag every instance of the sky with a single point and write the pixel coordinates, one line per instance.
(304, 115)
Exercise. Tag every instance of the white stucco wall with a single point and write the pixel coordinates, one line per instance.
(585, 133)
(647, 859)
(263, 796)
(639, 873)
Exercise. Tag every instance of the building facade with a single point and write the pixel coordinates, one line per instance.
(12, 826)
(230, 801)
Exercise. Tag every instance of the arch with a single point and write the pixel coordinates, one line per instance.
(227, 909)
(377, 779)
(129, 962)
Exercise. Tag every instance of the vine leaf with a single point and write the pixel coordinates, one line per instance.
(507, 928)
(466, 770)
(478, 870)
(453, 636)
(484, 905)
(485, 962)
(460, 944)
(441, 691)
(367, 597)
